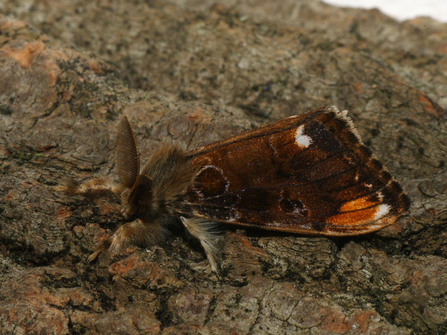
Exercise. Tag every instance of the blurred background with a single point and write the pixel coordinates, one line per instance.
(400, 9)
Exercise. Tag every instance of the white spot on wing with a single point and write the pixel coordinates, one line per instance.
(301, 139)
(383, 210)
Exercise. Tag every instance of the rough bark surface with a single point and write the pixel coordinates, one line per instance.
(198, 72)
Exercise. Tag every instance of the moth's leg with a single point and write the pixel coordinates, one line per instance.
(205, 232)
(135, 233)
(94, 188)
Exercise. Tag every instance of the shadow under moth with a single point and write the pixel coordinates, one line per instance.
(307, 174)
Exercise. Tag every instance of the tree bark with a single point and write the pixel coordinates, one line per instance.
(197, 72)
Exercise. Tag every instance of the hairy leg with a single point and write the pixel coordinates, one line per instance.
(135, 233)
(205, 232)
(92, 188)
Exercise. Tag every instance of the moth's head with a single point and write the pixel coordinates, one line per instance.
(135, 201)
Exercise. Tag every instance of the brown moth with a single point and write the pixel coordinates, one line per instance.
(308, 174)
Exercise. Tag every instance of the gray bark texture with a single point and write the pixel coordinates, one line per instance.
(195, 72)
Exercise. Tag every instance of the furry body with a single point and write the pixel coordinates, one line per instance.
(150, 204)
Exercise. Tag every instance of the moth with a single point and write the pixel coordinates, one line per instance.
(306, 174)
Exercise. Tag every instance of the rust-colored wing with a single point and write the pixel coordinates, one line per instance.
(306, 174)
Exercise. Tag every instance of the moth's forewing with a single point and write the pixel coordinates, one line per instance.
(128, 158)
(305, 174)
